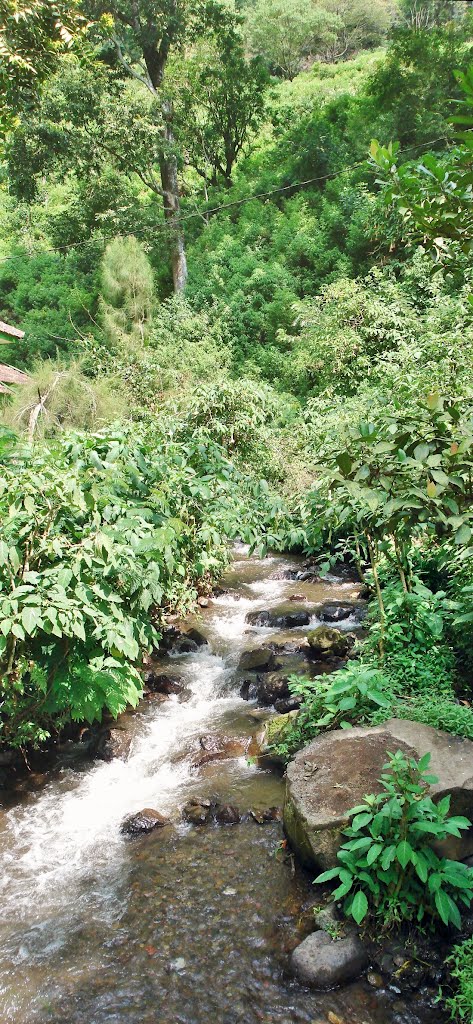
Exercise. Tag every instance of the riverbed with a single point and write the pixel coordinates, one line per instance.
(188, 925)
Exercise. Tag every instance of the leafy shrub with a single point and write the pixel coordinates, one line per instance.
(417, 656)
(388, 870)
(60, 397)
(460, 965)
(334, 701)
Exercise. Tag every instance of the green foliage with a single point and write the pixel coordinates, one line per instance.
(414, 629)
(440, 712)
(97, 532)
(62, 284)
(284, 32)
(219, 104)
(334, 701)
(388, 870)
(127, 290)
(60, 397)
(460, 965)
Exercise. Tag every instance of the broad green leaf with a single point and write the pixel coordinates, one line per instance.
(359, 907)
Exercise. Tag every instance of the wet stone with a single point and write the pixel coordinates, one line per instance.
(227, 814)
(197, 812)
(261, 659)
(143, 822)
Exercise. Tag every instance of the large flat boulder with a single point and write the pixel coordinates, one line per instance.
(335, 771)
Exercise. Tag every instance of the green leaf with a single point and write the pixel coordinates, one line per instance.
(374, 852)
(31, 618)
(404, 853)
(442, 903)
(360, 821)
(421, 452)
(345, 463)
(463, 534)
(359, 907)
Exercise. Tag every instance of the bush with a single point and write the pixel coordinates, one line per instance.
(440, 712)
(60, 397)
(334, 701)
(388, 871)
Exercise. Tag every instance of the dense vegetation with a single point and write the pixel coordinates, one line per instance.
(242, 317)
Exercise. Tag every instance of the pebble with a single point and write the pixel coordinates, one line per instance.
(374, 979)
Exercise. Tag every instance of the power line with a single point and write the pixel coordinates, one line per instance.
(212, 211)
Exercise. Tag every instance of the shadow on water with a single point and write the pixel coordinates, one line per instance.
(187, 925)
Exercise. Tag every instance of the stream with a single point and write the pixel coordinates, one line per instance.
(190, 924)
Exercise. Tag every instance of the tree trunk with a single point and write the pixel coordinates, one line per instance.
(171, 202)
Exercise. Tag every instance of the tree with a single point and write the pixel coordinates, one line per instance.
(363, 24)
(32, 34)
(219, 101)
(285, 32)
(127, 290)
(420, 15)
(434, 196)
(145, 36)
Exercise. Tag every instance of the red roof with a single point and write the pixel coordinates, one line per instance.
(9, 375)
(6, 329)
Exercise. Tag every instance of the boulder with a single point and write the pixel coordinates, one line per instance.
(272, 688)
(113, 743)
(203, 602)
(197, 637)
(323, 962)
(261, 659)
(142, 822)
(332, 612)
(326, 642)
(336, 770)
(220, 748)
(279, 618)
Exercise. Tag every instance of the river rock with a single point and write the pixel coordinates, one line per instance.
(271, 733)
(261, 659)
(142, 822)
(272, 688)
(197, 812)
(227, 814)
(112, 743)
(285, 704)
(160, 683)
(336, 770)
(279, 618)
(197, 637)
(323, 962)
(203, 602)
(220, 748)
(249, 689)
(326, 642)
(332, 612)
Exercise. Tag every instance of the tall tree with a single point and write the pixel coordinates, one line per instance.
(145, 33)
(219, 102)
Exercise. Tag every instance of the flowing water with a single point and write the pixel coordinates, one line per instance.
(189, 925)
